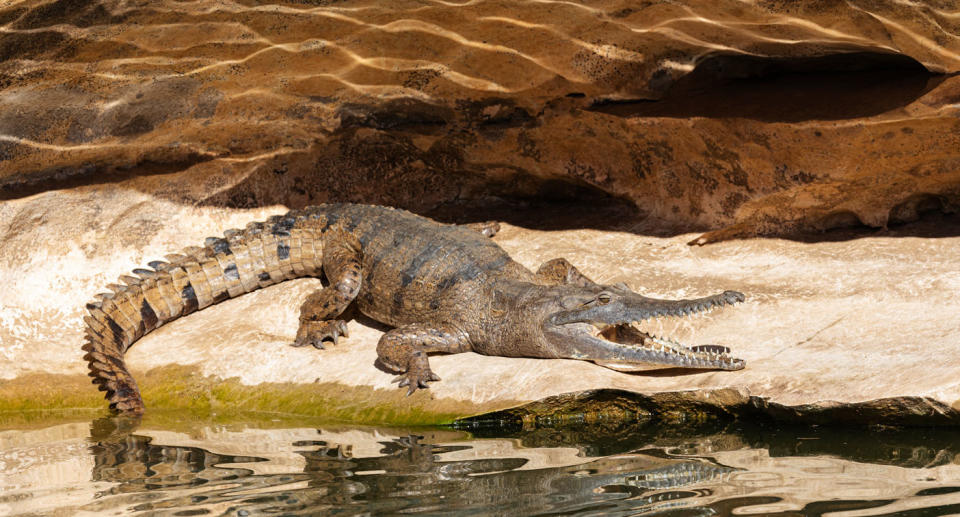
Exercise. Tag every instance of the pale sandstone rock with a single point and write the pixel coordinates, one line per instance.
(846, 321)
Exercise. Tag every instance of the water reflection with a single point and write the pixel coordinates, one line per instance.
(407, 475)
(902, 447)
(590, 470)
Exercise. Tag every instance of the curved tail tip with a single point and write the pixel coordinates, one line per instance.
(127, 407)
(126, 401)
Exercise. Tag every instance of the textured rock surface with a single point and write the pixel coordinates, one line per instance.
(741, 117)
(848, 321)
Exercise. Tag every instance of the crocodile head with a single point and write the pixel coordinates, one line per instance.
(602, 323)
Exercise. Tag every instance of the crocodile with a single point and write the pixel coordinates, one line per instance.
(442, 287)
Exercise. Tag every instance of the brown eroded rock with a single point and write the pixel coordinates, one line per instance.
(744, 119)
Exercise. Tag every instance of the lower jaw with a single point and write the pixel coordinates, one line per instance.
(625, 367)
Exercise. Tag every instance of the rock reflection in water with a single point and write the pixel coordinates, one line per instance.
(912, 448)
(690, 469)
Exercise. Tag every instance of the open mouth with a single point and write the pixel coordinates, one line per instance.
(612, 335)
(642, 350)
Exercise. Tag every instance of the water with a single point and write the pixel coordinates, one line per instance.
(267, 466)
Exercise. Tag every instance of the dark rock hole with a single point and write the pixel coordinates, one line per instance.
(553, 205)
(831, 87)
(917, 207)
(920, 215)
(19, 186)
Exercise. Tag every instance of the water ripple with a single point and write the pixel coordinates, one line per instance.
(703, 469)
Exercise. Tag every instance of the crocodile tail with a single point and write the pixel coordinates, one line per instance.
(263, 254)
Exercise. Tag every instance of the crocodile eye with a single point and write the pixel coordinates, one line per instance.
(603, 298)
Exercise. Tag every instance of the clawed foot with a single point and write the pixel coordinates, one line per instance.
(315, 332)
(416, 378)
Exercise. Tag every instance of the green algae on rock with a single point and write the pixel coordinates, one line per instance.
(186, 389)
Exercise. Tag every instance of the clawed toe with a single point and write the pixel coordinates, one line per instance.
(415, 380)
(314, 333)
(314, 343)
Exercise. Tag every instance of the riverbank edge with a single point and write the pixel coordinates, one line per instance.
(184, 389)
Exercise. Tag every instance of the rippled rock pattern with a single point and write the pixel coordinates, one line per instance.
(750, 118)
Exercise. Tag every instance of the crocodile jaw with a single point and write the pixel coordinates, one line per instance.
(627, 348)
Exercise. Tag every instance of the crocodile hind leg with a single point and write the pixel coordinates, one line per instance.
(405, 349)
(559, 272)
(341, 265)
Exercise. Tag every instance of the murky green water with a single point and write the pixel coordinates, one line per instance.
(268, 466)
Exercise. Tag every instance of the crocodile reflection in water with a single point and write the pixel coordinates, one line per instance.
(408, 476)
(640, 469)
(410, 467)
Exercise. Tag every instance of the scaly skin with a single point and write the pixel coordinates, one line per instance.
(444, 288)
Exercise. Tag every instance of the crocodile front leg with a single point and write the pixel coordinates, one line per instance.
(341, 265)
(405, 349)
